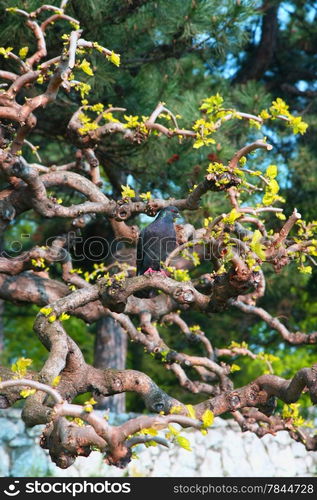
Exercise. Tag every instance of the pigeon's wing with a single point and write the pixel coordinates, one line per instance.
(139, 254)
(168, 242)
(148, 249)
(155, 243)
(143, 263)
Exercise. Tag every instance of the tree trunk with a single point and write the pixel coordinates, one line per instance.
(110, 352)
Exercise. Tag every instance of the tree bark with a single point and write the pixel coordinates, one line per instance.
(110, 352)
(261, 57)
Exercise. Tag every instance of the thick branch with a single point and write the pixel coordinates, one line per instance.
(296, 338)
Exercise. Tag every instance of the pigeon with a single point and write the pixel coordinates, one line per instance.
(155, 243)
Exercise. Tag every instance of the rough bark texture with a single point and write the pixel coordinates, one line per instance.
(110, 352)
(260, 58)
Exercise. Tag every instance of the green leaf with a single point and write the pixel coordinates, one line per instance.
(234, 344)
(64, 316)
(149, 431)
(256, 246)
(280, 216)
(271, 171)
(150, 443)
(21, 365)
(4, 52)
(85, 66)
(183, 442)
(27, 392)
(146, 196)
(271, 191)
(232, 216)
(180, 274)
(212, 104)
(114, 58)
(175, 409)
(298, 125)
(78, 421)
(23, 52)
(127, 192)
(208, 418)
(56, 381)
(273, 186)
(88, 408)
(305, 269)
(91, 401)
(264, 114)
(191, 411)
(46, 311)
(242, 160)
(172, 429)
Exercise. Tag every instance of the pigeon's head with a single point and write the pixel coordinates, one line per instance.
(172, 213)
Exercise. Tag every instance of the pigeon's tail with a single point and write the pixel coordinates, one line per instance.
(146, 293)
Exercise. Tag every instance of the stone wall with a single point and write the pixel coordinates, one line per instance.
(225, 451)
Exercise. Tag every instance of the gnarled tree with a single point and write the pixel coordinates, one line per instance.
(218, 266)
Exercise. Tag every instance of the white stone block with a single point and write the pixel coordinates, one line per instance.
(162, 466)
(4, 463)
(257, 457)
(211, 466)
